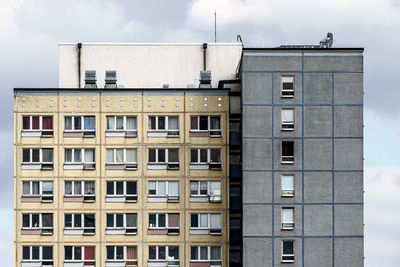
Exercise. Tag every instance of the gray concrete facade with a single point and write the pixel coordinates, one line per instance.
(328, 156)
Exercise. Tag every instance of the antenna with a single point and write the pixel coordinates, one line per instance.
(215, 25)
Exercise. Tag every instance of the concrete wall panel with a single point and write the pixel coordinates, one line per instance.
(317, 154)
(348, 88)
(257, 220)
(348, 154)
(257, 121)
(349, 220)
(257, 187)
(317, 121)
(317, 88)
(257, 252)
(257, 88)
(318, 252)
(317, 220)
(349, 252)
(349, 121)
(349, 187)
(257, 154)
(318, 187)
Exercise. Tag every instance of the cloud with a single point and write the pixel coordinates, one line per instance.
(382, 216)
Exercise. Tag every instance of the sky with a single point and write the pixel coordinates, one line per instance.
(31, 29)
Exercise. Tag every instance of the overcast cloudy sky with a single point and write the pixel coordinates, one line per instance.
(31, 29)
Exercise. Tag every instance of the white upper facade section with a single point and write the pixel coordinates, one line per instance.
(148, 65)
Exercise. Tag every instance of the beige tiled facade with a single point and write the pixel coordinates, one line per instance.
(59, 103)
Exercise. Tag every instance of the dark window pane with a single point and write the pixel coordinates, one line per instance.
(161, 123)
(152, 155)
(110, 220)
(194, 253)
(203, 123)
(35, 123)
(173, 252)
(120, 188)
(47, 220)
(173, 155)
(194, 221)
(152, 252)
(77, 123)
(35, 252)
(161, 220)
(25, 220)
(47, 154)
(89, 220)
(152, 220)
(26, 155)
(288, 247)
(78, 253)
(131, 188)
(110, 252)
(193, 155)
(161, 155)
(203, 155)
(287, 148)
(215, 123)
(35, 220)
(35, 155)
(77, 220)
(215, 155)
(110, 188)
(203, 253)
(68, 253)
(68, 220)
(152, 123)
(120, 220)
(193, 123)
(26, 124)
(120, 253)
(161, 253)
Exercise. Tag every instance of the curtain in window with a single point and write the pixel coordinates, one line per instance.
(203, 188)
(78, 123)
(215, 253)
(35, 188)
(131, 155)
(173, 220)
(194, 123)
(77, 188)
(215, 188)
(68, 155)
(47, 220)
(173, 123)
(287, 215)
(110, 123)
(173, 188)
(120, 123)
(287, 79)
(131, 220)
(287, 148)
(68, 123)
(89, 253)
(68, 188)
(161, 188)
(161, 123)
(203, 253)
(194, 188)
(215, 123)
(47, 155)
(119, 155)
(110, 155)
(89, 155)
(215, 155)
(89, 123)
(152, 188)
(26, 188)
(287, 182)
(47, 188)
(131, 123)
(215, 221)
(173, 155)
(47, 123)
(203, 220)
(287, 115)
(77, 155)
(35, 123)
(203, 155)
(89, 188)
(131, 253)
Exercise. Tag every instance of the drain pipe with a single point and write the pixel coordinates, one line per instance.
(204, 56)
(79, 64)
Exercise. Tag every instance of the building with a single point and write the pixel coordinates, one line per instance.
(191, 155)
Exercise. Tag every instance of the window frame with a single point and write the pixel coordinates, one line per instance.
(158, 132)
(90, 229)
(43, 197)
(168, 197)
(208, 254)
(124, 163)
(210, 230)
(287, 192)
(127, 197)
(287, 125)
(40, 258)
(209, 164)
(157, 165)
(124, 132)
(124, 258)
(40, 225)
(287, 159)
(287, 93)
(86, 165)
(85, 132)
(167, 249)
(86, 196)
(40, 131)
(211, 198)
(291, 256)
(82, 254)
(128, 229)
(210, 132)
(43, 165)
(287, 225)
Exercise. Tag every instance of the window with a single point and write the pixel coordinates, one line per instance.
(205, 158)
(121, 158)
(163, 158)
(287, 152)
(162, 126)
(37, 126)
(203, 223)
(201, 191)
(40, 191)
(287, 251)
(79, 254)
(111, 79)
(206, 254)
(287, 116)
(287, 185)
(163, 191)
(121, 126)
(121, 191)
(79, 223)
(79, 191)
(287, 86)
(37, 158)
(205, 126)
(79, 126)
(164, 253)
(79, 158)
(287, 218)
(37, 223)
(122, 253)
(121, 223)
(44, 254)
(167, 223)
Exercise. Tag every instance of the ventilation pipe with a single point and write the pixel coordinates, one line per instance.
(204, 56)
(79, 64)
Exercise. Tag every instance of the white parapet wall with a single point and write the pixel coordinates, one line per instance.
(141, 65)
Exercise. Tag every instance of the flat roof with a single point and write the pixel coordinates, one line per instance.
(304, 48)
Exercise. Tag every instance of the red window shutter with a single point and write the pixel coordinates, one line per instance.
(89, 253)
(173, 220)
(48, 123)
(35, 123)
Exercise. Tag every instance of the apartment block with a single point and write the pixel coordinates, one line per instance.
(191, 155)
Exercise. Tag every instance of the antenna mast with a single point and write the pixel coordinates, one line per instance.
(215, 25)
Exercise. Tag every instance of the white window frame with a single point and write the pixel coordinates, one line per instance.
(209, 196)
(40, 254)
(124, 150)
(124, 220)
(78, 165)
(286, 192)
(83, 193)
(201, 165)
(161, 165)
(83, 227)
(210, 230)
(162, 132)
(209, 130)
(125, 197)
(165, 197)
(157, 259)
(124, 132)
(82, 254)
(287, 255)
(287, 159)
(45, 230)
(287, 225)
(287, 93)
(40, 190)
(287, 125)
(156, 227)
(82, 124)
(124, 254)
(36, 132)
(36, 165)
(208, 254)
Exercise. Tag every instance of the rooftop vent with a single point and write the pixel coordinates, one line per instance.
(205, 79)
(90, 79)
(111, 79)
(165, 86)
(327, 42)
